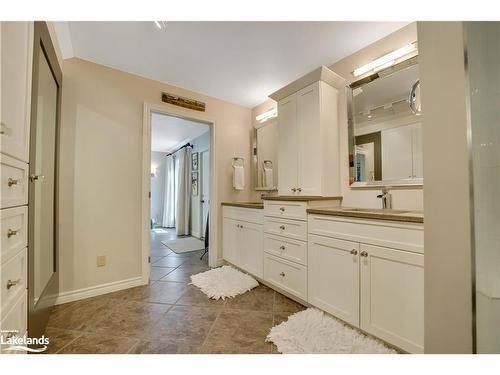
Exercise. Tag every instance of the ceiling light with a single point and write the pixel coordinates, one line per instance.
(386, 60)
(161, 24)
(267, 115)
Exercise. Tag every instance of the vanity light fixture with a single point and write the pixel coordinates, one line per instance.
(385, 61)
(161, 24)
(267, 115)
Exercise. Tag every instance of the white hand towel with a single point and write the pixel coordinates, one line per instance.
(238, 177)
(268, 177)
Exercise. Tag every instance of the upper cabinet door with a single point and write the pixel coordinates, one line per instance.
(287, 148)
(310, 143)
(16, 70)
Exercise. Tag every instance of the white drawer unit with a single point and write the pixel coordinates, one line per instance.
(15, 321)
(293, 229)
(13, 278)
(286, 209)
(286, 248)
(14, 182)
(289, 276)
(14, 231)
(250, 215)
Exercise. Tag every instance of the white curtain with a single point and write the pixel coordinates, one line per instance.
(183, 198)
(170, 193)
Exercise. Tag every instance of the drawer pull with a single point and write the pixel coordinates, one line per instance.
(364, 254)
(35, 177)
(282, 247)
(11, 182)
(282, 227)
(354, 252)
(282, 274)
(282, 209)
(11, 283)
(11, 232)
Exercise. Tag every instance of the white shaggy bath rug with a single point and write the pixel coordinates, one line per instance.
(223, 282)
(313, 332)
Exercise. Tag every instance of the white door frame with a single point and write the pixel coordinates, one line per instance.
(200, 163)
(171, 110)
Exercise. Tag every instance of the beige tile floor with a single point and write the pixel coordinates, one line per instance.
(168, 315)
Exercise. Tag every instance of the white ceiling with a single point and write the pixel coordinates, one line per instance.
(241, 62)
(168, 132)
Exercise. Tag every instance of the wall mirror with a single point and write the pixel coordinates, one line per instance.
(385, 134)
(265, 155)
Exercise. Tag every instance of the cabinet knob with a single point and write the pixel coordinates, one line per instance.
(11, 232)
(354, 252)
(282, 247)
(35, 177)
(363, 254)
(282, 209)
(11, 182)
(11, 283)
(282, 227)
(294, 190)
(282, 274)
(299, 190)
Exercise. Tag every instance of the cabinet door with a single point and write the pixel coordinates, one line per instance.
(333, 277)
(16, 65)
(309, 141)
(230, 240)
(287, 145)
(392, 296)
(250, 248)
(397, 159)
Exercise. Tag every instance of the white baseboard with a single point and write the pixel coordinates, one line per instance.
(93, 291)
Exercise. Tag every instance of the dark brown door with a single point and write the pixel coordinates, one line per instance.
(43, 279)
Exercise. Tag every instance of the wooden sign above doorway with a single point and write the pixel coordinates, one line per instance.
(183, 102)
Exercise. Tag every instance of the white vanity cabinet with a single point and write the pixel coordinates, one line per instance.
(308, 129)
(242, 238)
(369, 273)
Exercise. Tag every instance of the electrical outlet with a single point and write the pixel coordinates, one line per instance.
(101, 260)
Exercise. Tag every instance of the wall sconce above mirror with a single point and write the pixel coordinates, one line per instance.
(385, 135)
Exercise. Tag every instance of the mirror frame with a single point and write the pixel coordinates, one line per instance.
(255, 161)
(351, 139)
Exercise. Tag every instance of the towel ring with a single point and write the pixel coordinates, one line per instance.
(238, 162)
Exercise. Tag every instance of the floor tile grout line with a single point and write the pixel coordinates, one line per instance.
(81, 333)
(212, 326)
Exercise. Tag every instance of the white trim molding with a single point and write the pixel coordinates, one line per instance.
(97, 290)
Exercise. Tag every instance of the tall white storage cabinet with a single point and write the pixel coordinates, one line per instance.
(16, 71)
(308, 127)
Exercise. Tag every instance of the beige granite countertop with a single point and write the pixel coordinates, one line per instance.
(407, 216)
(298, 198)
(258, 205)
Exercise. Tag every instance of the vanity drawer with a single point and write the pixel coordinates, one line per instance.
(14, 231)
(401, 236)
(289, 276)
(288, 228)
(286, 248)
(251, 215)
(14, 180)
(15, 320)
(13, 278)
(286, 209)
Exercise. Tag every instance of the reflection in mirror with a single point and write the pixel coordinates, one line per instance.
(384, 127)
(44, 181)
(266, 155)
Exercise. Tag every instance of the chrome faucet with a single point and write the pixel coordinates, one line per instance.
(386, 199)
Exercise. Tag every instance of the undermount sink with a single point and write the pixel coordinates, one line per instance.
(377, 210)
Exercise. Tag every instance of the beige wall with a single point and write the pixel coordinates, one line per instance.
(448, 284)
(101, 166)
(404, 198)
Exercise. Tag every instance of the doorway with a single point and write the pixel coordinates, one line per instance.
(178, 160)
